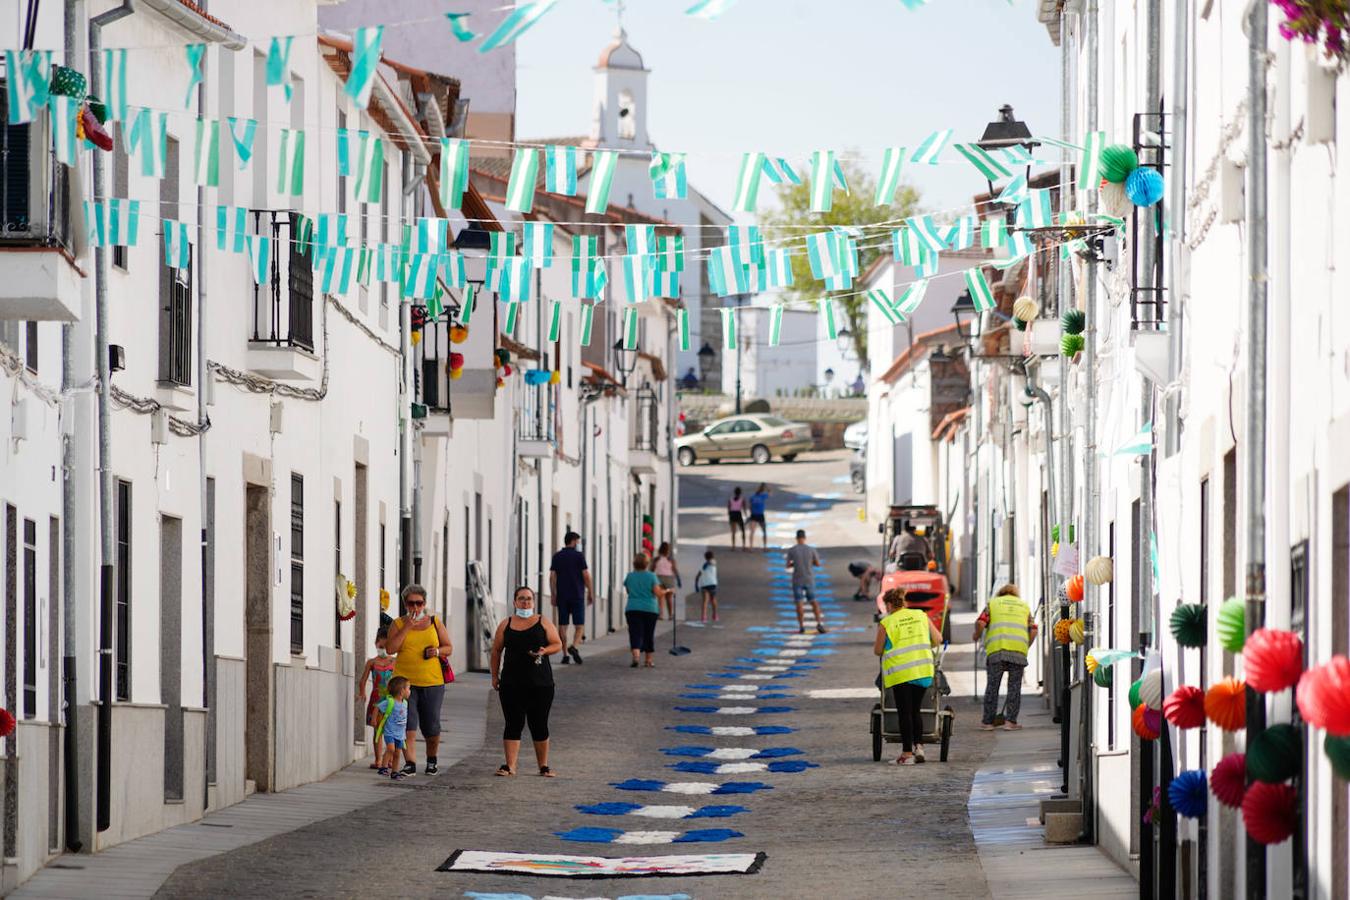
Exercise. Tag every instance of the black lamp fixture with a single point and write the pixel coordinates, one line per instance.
(473, 238)
(706, 357)
(843, 339)
(1004, 132)
(963, 311)
(625, 361)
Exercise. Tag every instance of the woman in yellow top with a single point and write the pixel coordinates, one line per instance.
(905, 641)
(421, 642)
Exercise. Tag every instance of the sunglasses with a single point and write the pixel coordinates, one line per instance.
(414, 603)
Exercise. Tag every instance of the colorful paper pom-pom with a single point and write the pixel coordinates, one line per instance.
(1102, 676)
(1274, 754)
(1272, 659)
(1324, 696)
(1226, 704)
(1099, 570)
(1078, 631)
(1073, 589)
(1189, 624)
(1185, 707)
(1228, 780)
(1146, 722)
(1151, 689)
(6, 723)
(1189, 794)
(1270, 812)
(1232, 625)
(1073, 321)
(1026, 309)
(1090, 662)
(1144, 186)
(1133, 695)
(1118, 161)
(1071, 344)
(1062, 630)
(1338, 751)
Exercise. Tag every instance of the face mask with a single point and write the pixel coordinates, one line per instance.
(524, 611)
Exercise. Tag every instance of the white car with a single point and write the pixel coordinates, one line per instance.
(855, 435)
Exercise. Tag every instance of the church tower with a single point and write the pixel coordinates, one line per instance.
(620, 115)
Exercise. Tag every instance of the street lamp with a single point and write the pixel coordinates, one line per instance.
(1004, 132)
(625, 361)
(963, 311)
(706, 357)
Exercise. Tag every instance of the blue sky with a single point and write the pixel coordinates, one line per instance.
(792, 76)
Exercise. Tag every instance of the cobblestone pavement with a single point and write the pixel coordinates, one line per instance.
(842, 827)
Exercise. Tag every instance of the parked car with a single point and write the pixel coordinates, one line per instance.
(755, 437)
(857, 471)
(855, 435)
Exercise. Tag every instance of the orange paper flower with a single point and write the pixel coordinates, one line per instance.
(1226, 704)
(1073, 589)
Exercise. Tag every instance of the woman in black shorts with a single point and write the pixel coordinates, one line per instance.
(736, 514)
(523, 678)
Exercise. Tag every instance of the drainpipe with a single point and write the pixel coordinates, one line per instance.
(203, 423)
(1177, 246)
(103, 801)
(69, 613)
(405, 442)
(1256, 385)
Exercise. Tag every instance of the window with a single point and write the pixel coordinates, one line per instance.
(342, 179)
(14, 183)
(297, 563)
(1299, 589)
(627, 116)
(30, 614)
(724, 428)
(746, 425)
(385, 214)
(337, 566)
(383, 583)
(1230, 523)
(121, 189)
(30, 346)
(175, 289)
(122, 589)
(774, 422)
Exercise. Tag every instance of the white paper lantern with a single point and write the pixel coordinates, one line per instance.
(1099, 570)
(1113, 199)
(1150, 689)
(1026, 309)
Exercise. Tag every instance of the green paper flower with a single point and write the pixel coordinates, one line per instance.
(1232, 625)
(1134, 693)
(1102, 676)
(1338, 751)
(1274, 755)
(1073, 321)
(1019, 324)
(1189, 624)
(1071, 344)
(1118, 161)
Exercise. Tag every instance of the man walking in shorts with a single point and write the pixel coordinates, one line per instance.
(802, 562)
(569, 583)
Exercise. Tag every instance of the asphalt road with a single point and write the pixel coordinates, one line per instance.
(829, 821)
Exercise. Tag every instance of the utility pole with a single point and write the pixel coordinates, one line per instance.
(740, 302)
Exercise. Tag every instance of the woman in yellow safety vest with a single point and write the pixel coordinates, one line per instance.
(905, 641)
(1008, 629)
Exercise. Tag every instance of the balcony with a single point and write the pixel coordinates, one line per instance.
(535, 435)
(645, 428)
(433, 374)
(42, 282)
(282, 343)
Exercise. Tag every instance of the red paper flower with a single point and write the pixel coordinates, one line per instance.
(1226, 704)
(1185, 707)
(1272, 659)
(1228, 780)
(6, 723)
(1270, 812)
(1139, 719)
(1324, 696)
(1073, 589)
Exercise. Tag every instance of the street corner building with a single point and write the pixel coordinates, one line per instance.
(236, 427)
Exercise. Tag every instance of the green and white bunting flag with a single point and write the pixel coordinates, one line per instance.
(587, 320)
(1141, 444)
(682, 327)
(1035, 210)
(115, 84)
(453, 271)
(419, 276)
(825, 255)
(927, 266)
(1014, 191)
(537, 243)
(962, 234)
(501, 249)
(728, 327)
(560, 169)
(882, 301)
(931, 149)
(909, 301)
(369, 168)
(512, 317)
(206, 158)
(454, 172)
(905, 247)
(1090, 165)
(775, 324)
(747, 182)
(925, 230)
(639, 240)
(435, 305)
(147, 139)
(747, 246)
(670, 253)
(636, 273)
(231, 228)
(365, 58)
(64, 142)
(195, 55)
(515, 280)
(993, 232)
(831, 319)
(334, 267)
(1019, 245)
(725, 276)
(259, 256)
(983, 161)
(708, 9)
(669, 178)
(603, 164)
(1015, 156)
(780, 171)
(517, 23)
(1056, 142)
(365, 259)
(291, 163)
(892, 162)
(386, 263)
(554, 320)
(115, 223)
(461, 32)
(242, 134)
(630, 328)
(778, 264)
(177, 244)
(467, 304)
(28, 76)
(524, 178)
(428, 235)
(588, 273)
(330, 230)
(980, 292)
(822, 180)
(665, 284)
(279, 65)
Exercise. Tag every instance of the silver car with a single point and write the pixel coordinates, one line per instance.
(755, 437)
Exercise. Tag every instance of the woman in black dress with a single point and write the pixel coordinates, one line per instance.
(523, 679)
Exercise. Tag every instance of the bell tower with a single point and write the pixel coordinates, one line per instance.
(620, 115)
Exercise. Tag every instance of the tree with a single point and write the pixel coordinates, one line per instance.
(795, 219)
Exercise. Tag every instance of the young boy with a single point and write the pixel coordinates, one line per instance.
(393, 727)
(706, 581)
(801, 562)
(380, 668)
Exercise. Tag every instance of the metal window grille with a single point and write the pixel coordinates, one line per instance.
(283, 307)
(30, 654)
(33, 188)
(646, 420)
(175, 334)
(297, 563)
(122, 584)
(1148, 294)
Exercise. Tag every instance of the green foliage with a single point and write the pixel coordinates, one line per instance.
(796, 219)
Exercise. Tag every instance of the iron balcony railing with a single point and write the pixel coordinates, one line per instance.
(33, 185)
(537, 411)
(433, 381)
(283, 306)
(646, 430)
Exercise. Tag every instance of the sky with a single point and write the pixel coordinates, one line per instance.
(792, 76)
